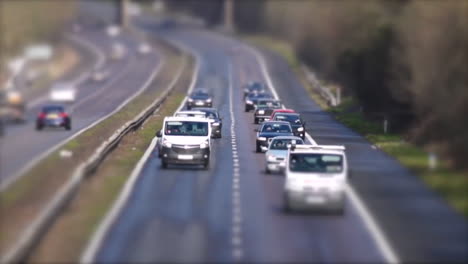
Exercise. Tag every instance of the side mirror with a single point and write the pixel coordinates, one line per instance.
(256, 130)
(159, 134)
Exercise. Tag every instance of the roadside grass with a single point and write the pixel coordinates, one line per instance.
(70, 235)
(25, 22)
(25, 198)
(97, 194)
(450, 183)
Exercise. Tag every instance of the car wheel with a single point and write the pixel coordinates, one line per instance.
(267, 170)
(164, 164)
(189, 108)
(38, 127)
(68, 126)
(256, 121)
(206, 164)
(259, 149)
(246, 109)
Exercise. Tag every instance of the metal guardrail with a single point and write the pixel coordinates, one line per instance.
(323, 91)
(34, 233)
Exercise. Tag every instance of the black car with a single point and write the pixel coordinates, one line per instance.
(254, 87)
(269, 130)
(264, 109)
(296, 122)
(199, 98)
(252, 98)
(53, 116)
(215, 120)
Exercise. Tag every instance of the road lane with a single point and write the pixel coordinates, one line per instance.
(191, 213)
(94, 101)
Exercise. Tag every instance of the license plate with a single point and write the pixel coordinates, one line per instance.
(52, 116)
(315, 199)
(199, 103)
(185, 157)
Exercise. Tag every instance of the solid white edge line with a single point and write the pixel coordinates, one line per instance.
(7, 182)
(369, 221)
(99, 235)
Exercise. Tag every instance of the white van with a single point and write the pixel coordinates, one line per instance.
(185, 140)
(316, 177)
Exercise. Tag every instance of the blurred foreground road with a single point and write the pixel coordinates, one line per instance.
(185, 214)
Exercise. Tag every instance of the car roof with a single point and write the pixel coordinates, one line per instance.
(288, 113)
(185, 118)
(190, 112)
(276, 122)
(284, 111)
(288, 137)
(201, 109)
(53, 106)
(318, 149)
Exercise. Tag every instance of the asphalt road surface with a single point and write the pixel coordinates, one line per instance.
(22, 143)
(187, 214)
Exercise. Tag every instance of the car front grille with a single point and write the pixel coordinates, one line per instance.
(186, 149)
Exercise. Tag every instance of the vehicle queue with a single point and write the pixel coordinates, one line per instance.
(315, 175)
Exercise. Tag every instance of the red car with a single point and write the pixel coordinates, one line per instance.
(281, 111)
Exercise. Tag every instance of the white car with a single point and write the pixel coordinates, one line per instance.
(316, 177)
(278, 152)
(190, 114)
(185, 140)
(63, 92)
(144, 48)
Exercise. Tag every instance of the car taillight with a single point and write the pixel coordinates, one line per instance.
(41, 115)
(63, 115)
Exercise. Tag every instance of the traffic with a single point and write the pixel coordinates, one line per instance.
(315, 175)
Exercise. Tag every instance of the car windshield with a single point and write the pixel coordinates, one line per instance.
(282, 144)
(276, 128)
(293, 119)
(269, 104)
(314, 162)
(53, 109)
(200, 95)
(186, 128)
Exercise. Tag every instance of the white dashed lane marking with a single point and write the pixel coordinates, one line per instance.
(236, 225)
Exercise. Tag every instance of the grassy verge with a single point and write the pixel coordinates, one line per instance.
(97, 195)
(69, 236)
(450, 183)
(24, 199)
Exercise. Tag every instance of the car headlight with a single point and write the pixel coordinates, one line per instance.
(204, 145)
(190, 100)
(293, 185)
(215, 124)
(261, 112)
(167, 144)
(300, 129)
(208, 100)
(271, 158)
(248, 102)
(262, 138)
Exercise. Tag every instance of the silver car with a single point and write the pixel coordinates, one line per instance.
(278, 152)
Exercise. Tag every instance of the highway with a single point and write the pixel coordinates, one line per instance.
(22, 144)
(185, 214)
